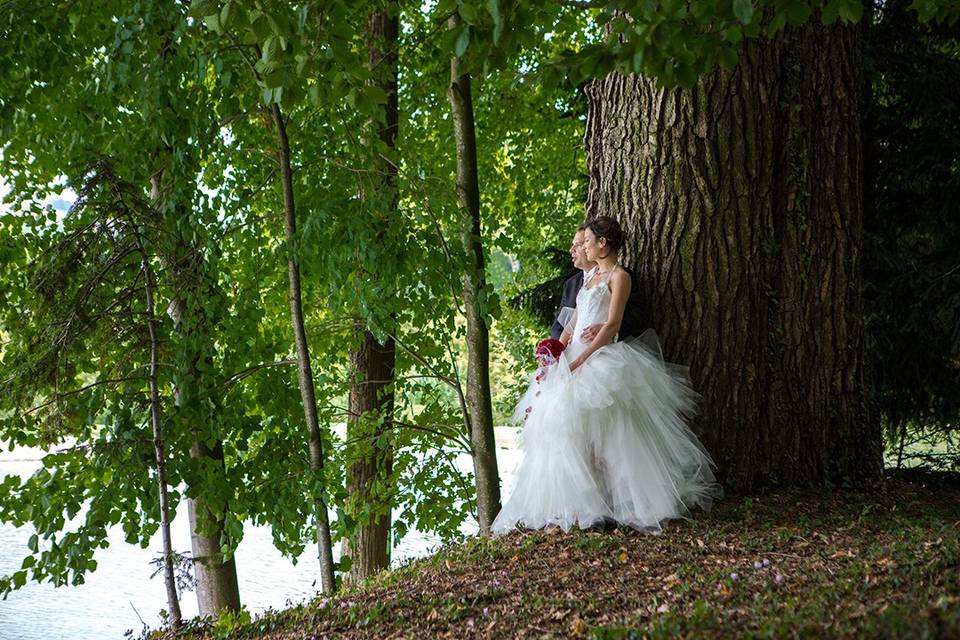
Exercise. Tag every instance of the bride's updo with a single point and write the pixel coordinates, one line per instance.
(607, 228)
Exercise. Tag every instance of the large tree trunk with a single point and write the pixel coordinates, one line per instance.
(742, 203)
(373, 363)
(304, 368)
(216, 577)
(479, 409)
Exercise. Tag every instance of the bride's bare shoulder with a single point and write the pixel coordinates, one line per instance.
(621, 275)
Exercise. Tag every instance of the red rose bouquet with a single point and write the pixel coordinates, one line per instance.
(548, 351)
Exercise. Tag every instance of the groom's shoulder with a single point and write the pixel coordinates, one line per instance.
(575, 281)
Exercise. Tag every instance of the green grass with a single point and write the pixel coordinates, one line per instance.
(882, 561)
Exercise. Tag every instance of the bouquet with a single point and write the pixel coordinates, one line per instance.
(547, 353)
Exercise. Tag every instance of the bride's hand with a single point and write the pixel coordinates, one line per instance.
(575, 363)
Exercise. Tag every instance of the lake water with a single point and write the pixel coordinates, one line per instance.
(120, 595)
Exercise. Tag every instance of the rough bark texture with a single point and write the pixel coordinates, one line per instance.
(304, 368)
(742, 203)
(479, 409)
(371, 411)
(373, 363)
(216, 578)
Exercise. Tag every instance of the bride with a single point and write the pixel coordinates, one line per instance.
(604, 436)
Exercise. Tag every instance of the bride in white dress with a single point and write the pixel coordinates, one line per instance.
(604, 434)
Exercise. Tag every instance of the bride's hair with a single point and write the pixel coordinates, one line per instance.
(606, 227)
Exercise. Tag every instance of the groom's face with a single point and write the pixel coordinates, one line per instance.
(576, 252)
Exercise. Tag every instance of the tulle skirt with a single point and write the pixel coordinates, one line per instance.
(608, 441)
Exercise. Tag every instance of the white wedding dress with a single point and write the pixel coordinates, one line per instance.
(609, 439)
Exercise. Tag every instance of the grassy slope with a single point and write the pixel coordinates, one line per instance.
(879, 562)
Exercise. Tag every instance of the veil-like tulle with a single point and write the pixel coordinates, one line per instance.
(609, 440)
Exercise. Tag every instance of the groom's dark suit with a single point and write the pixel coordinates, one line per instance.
(569, 299)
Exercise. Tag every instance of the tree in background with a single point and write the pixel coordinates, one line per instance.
(136, 60)
(911, 232)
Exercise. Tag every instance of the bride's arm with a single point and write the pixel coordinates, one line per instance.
(619, 292)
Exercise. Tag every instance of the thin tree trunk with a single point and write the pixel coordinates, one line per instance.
(307, 390)
(169, 578)
(480, 412)
(373, 363)
(901, 446)
(742, 203)
(216, 577)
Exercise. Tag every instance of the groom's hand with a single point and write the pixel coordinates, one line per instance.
(591, 332)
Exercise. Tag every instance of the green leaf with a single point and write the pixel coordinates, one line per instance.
(226, 14)
(19, 579)
(260, 25)
(468, 13)
(851, 10)
(743, 10)
(463, 40)
(376, 94)
(778, 22)
(797, 12)
(213, 22)
(493, 6)
(200, 8)
(687, 76)
(271, 47)
(728, 58)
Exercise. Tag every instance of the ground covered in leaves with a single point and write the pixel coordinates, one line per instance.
(877, 562)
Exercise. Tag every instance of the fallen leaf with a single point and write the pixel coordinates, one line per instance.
(578, 627)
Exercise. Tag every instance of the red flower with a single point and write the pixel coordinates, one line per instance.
(548, 351)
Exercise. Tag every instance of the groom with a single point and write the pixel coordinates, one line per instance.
(633, 322)
(572, 286)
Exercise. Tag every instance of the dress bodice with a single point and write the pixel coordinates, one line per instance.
(593, 304)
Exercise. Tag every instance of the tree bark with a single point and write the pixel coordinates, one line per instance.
(479, 409)
(216, 577)
(742, 201)
(370, 456)
(373, 363)
(307, 389)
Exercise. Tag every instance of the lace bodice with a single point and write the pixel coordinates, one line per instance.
(593, 304)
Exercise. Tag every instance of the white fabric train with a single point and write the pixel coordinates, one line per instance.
(608, 440)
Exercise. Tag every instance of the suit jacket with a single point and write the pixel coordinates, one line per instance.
(569, 299)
